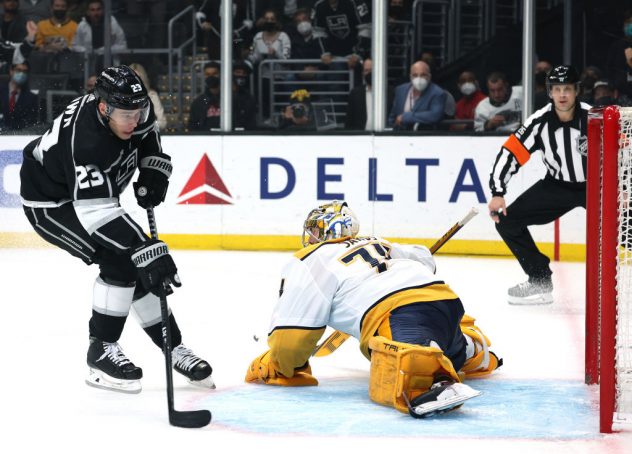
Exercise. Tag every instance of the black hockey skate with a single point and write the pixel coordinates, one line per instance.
(442, 397)
(194, 368)
(111, 369)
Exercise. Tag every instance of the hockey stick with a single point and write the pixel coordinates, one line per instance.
(337, 338)
(190, 419)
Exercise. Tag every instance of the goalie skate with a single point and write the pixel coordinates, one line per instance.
(442, 397)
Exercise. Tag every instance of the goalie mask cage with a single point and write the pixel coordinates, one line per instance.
(609, 263)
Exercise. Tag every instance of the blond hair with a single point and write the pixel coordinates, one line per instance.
(140, 71)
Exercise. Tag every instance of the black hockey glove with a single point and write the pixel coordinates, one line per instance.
(155, 266)
(151, 187)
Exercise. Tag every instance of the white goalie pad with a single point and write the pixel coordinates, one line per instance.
(441, 399)
(100, 379)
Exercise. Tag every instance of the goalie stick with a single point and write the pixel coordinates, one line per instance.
(337, 338)
(190, 419)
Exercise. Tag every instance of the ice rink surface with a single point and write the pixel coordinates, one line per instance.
(536, 403)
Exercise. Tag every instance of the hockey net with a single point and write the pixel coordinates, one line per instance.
(609, 264)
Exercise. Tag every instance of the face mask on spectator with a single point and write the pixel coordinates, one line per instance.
(468, 88)
(60, 14)
(269, 26)
(540, 78)
(627, 30)
(240, 81)
(304, 28)
(212, 82)
(420, 83)
(20, 78)
(368, 78)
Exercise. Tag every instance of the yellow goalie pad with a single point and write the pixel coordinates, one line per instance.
(484, 361)
(398, 368)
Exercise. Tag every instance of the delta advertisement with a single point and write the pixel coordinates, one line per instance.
(254, 192)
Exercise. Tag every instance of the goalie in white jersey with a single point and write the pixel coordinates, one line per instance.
(410, 324)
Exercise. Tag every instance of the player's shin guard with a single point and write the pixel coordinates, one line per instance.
(480, 360)
(401, 372)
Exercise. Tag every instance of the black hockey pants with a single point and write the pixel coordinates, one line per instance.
(545, 201)
(61, 227)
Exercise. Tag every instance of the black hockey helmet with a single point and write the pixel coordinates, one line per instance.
(121, 88)
(562, 75)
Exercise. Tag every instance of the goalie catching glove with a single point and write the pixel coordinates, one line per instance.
(153, 180)
(155, 266)
(263, 371)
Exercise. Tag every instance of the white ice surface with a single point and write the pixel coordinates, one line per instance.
(225, 300)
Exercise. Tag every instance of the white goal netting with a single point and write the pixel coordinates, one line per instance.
(623, 341)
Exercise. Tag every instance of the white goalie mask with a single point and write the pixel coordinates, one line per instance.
(329, 221)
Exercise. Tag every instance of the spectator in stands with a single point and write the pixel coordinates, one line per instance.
(587, 79)
(56, 33)
(271, 41)
(604, 94)
(12, 22)
(344, 30)
(19, 106)
(161, 119)
(502, 110)
(472, 95)
(208, 18)
(299, 114)
(206, 110)
(244, 105)
(541, 94)
(359, 115)
(619, 59)
(35, 10)
(418, 102)
(89, 34)
(17, 36)
(304, 45)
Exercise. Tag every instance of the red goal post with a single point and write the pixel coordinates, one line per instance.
(609, 263)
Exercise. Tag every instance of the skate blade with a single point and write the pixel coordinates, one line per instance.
(536, 300)
(206, 383)
(99, 379)
(429, 409)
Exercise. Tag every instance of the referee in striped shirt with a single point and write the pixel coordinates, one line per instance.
(558, 130)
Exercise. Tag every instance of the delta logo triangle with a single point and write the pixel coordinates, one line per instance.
(205, 187)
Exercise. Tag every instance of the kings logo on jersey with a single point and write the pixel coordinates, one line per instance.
(205, 187)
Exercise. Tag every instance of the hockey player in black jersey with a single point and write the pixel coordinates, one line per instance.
(558, 130)
(71, 181)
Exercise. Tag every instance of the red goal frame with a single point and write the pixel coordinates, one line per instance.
(602, 238)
